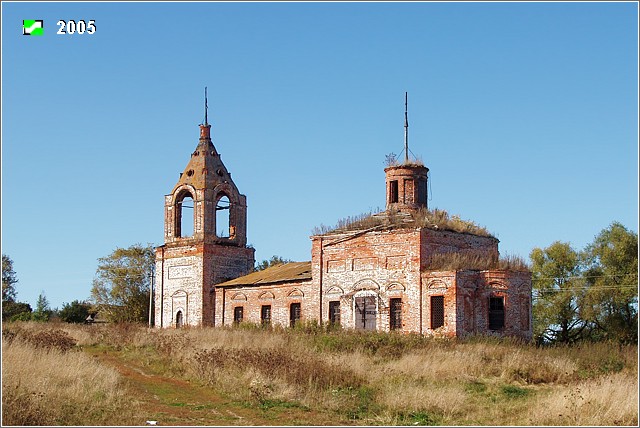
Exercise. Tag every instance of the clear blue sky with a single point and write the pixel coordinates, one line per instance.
(525, 113)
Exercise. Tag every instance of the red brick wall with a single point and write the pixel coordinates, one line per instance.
(385, 263)
(278, 296)
(186, 275)
(466, 295)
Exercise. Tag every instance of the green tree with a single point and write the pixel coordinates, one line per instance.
(75, 312)
(12, 311)
(612, 276)
(559, 294)
(43, 311)
(120, 289)
(9, 279)
(273, 261)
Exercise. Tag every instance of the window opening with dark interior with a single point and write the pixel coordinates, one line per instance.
(334, 313)
(238, 314)
(222, 217)
(395, 314)
(496, 313)
(393, 191)
(437, 312)
(294, 314)
(179, 319)
(265, 314)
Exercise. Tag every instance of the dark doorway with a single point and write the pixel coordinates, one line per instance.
(366, 312)
(179, 321)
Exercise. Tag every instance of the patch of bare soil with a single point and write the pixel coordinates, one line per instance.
(178, 402)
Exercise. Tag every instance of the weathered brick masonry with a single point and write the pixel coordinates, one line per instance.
(189, 265)
(373, 278)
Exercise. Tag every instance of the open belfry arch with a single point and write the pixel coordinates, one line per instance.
(197, 253)
(388, 271)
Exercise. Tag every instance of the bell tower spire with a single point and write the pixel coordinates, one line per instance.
(205, 238)
(205, 128)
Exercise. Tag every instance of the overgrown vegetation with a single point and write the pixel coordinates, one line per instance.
(333, 376)
(46, 380)
(475, 261)
(421, 218)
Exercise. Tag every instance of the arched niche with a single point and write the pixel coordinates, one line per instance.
(267, 295)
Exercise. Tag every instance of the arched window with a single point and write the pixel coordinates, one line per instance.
(179, 321)
(222, 217)
(184, 214)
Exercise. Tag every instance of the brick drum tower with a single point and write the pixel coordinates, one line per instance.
(205, 239)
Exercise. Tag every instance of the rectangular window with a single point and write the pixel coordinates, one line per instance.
(393, 191)
(395, 314)
(437, 312)
(334, 313)
(496, 313)
(238, 314)
(265, 314)
(294, 314)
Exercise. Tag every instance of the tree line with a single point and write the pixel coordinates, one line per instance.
(119, 292)
(14, 310)
(588, 294)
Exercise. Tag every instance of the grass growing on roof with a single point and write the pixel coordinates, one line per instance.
(391, 219)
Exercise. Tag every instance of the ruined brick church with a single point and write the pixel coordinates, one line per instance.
(377, 273)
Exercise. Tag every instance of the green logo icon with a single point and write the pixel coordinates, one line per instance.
(32, 27)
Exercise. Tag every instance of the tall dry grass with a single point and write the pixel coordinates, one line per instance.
(386, 379)
(606, 400)
(47, 384)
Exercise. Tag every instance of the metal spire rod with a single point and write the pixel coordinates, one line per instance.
(205, 106)
(406, 130)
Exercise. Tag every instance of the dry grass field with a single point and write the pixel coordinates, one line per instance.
(60, 374)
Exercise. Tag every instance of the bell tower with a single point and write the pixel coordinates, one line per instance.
(205, 238)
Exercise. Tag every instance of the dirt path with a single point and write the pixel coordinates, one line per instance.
(178, 402)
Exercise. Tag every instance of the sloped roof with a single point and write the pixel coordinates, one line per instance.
(295, 271)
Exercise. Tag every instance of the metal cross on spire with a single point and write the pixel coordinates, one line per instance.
(406, 130)
(205, 106)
